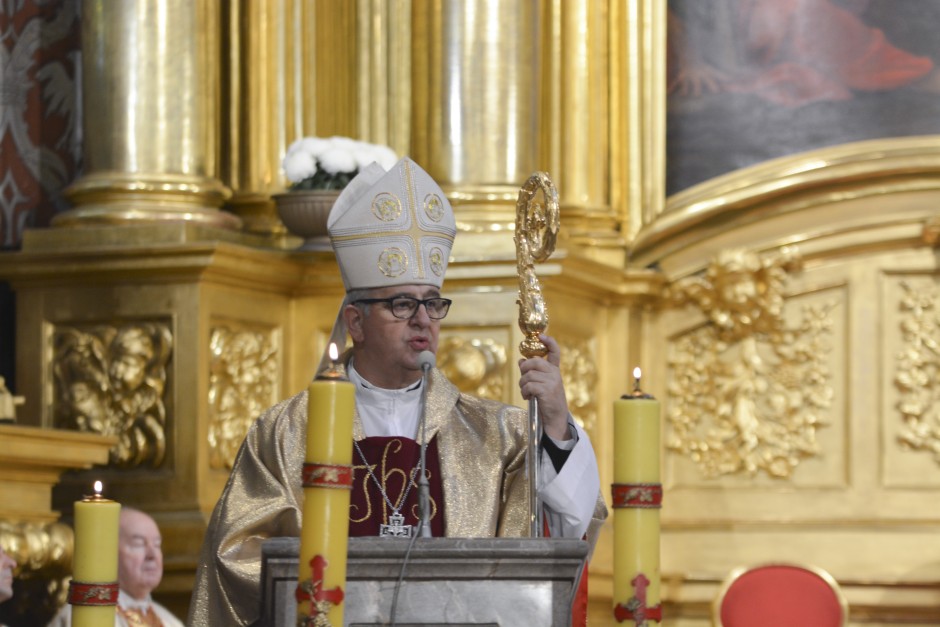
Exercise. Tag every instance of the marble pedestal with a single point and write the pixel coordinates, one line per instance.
(447, 581)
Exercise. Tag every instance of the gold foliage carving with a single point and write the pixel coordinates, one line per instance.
(748, 391)
(242, 383)
(476, 366)
(918, 369)
(43, 554)
(111, 379)
(579, 373)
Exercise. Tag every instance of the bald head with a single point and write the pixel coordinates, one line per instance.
(140, 556)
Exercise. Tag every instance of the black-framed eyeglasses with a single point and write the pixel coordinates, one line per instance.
(405, 307)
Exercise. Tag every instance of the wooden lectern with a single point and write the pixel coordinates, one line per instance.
(447, 581)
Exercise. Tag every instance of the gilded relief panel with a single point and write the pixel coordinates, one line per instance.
(243, 382)
(580, 376)
(754, 393)
(911, 380)
(111, 379)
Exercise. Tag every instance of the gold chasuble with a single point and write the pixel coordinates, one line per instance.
(481, 447)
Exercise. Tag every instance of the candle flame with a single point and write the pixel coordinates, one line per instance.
(334, 352)
(98, 488)
(637, 373)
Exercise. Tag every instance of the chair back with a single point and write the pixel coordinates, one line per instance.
(780, 595)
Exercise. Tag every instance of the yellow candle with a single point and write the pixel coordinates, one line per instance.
(95, 562)
(637, 495)
(327, 482)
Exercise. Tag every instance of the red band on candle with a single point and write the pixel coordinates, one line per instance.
(637, 495)
(84, 593)
(327, 476)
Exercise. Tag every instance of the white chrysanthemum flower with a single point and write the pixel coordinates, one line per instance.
(342, 143)
(337, 159)
(316, 146)
(318, 162)
(299, 165)
(385, 156)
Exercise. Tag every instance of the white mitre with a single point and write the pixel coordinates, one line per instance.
(392, 228)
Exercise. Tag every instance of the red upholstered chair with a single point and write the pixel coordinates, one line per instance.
(780, 595)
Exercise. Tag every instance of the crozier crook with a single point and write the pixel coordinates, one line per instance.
(536, 230)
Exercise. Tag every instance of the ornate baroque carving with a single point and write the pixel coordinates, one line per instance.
(579, 373)
(918, 369)
(475, 366)
(43, 553)
(242, 383)
(478, 366)
(748, 391)
(111, 379)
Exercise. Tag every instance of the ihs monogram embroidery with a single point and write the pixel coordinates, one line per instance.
(386, 207)
(434, 207)
(436, 261)
(393, 262)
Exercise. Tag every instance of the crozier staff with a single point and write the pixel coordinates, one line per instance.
(392, 233)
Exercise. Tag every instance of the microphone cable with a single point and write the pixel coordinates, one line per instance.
(427, 361)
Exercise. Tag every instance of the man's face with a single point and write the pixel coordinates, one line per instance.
(7, 564)
(388, 347)
(140, 558)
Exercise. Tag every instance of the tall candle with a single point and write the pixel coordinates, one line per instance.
(327, 479)
(637, 497)
(93, 591)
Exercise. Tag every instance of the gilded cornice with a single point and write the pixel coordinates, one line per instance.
(163, 252)
(808, 181)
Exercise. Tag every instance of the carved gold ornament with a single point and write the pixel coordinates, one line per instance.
(111, 379)
(918, 369)
(748, 391)
(579, 374)
(476, 366)
(43, 554)
(243, 374)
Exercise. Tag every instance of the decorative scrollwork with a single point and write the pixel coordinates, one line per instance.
(750, 392)
(918, 369)
(476, 366)
(536, 230)
(43, 554)
(579, 373)
(243, 375)
(110, 379)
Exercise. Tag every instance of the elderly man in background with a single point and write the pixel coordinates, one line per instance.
(140, 569)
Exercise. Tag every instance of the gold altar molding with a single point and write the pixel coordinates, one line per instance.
(31, 462)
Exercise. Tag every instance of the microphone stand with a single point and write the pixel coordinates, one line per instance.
(424, 490)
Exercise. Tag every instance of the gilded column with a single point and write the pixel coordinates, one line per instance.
(150, 96)
(476, 103)
(577, 90)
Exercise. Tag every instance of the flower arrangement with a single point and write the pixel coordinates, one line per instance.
(331, 162)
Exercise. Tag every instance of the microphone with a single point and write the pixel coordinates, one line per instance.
(427, 361)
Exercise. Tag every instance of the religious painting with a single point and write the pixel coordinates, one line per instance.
(751, 80)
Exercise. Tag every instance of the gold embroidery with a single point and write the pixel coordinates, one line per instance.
(393, 262)
(386, 207)
(140, 618)
(384, 475)
(436, 261)
(434, 207)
